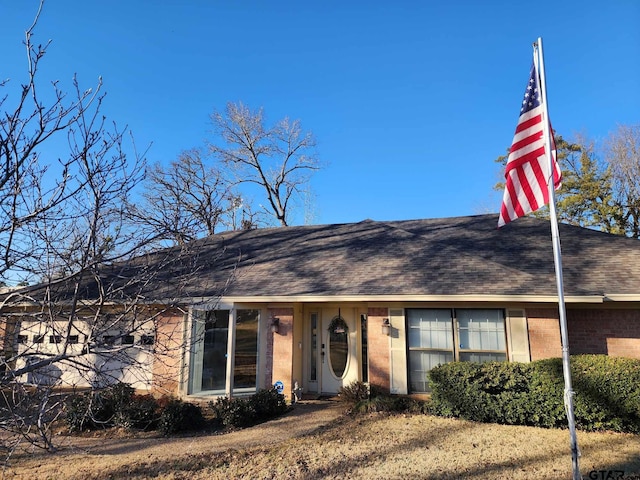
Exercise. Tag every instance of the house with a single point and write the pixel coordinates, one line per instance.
(319, 307)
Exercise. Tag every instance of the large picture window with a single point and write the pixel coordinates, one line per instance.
(225, 351)
(437, 336)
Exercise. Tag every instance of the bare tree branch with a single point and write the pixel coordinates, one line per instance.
(280, 159)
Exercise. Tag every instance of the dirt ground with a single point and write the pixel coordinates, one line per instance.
(316, 440)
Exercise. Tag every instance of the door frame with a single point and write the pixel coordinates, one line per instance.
(354, 362)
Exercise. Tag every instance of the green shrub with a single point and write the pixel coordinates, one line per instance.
(178, 416)
(244, 412)
(97, 408)
(607, 392)
(233, 412)
(142, 412)
(113, 406)
(267, 404)
(78, 413)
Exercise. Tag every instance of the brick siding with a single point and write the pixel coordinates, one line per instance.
(168, 351)
(544, 333)
(282, 368)
(614, 332)
(378, 349)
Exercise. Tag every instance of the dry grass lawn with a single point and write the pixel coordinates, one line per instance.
(317, 441)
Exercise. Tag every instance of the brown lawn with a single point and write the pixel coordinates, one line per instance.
(317, 441)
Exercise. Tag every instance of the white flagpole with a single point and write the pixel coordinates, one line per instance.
(557, 258)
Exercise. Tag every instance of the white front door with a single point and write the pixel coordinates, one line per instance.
(337, 341)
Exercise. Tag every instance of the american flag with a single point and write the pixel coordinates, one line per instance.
(526, 175)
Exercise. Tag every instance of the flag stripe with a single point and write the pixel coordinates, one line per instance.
(529, 121)
(526, 173)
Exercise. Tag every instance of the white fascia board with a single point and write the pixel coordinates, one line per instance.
(622, 297)
(285, 299)
(225, 302)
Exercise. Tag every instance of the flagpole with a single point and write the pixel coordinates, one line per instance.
(557, 258)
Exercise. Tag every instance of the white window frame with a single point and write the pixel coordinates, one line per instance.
(195, 352)
(456, 349)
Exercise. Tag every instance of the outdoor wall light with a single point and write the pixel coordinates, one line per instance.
(275, 325)
(386, 327)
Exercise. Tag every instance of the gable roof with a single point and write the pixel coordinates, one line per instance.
(462, 256)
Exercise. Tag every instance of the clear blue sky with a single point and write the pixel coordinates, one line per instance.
(410, 101)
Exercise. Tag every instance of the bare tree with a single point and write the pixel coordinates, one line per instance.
(278, 159)
(622, 153)
(188, 200)
(87, 301)
(25, 197)
(63, 227)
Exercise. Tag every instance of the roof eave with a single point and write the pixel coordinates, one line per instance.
(405, 298)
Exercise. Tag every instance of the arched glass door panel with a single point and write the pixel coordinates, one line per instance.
(338, 352)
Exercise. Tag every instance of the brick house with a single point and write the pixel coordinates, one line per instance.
(383, 302)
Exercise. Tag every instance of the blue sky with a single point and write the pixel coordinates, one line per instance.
(410, 101)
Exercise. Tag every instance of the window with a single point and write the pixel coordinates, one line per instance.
(214, 362)
(481, 335)
(127, 339)
(22, 339)
(365, 347)
(245, 366)
(313, 364)
(73, 339)
(147, 340)
(221, 366)
(430, 344)
(437, 336)
(55, 338)
(38, 338)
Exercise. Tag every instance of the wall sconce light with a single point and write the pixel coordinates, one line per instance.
(386, 327)
(275, 325)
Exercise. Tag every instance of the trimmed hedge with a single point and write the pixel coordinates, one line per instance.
(241, 412)
(607, 392)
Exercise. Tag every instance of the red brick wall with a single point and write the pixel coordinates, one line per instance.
(378, 348)
(168, 351)
(544, 333)
(282, 367)
(614, 332)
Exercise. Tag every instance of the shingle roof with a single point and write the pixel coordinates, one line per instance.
(447, 256)
(461, 256)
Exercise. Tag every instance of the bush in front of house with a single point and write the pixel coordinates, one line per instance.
(113, 406)
(355, 392)
(232, 412)
(118, 406)
(607, 392)
(360, 397)
(243, 412)
(178, 416)
(267, 404)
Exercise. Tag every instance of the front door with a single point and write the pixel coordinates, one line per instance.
(333, 346)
